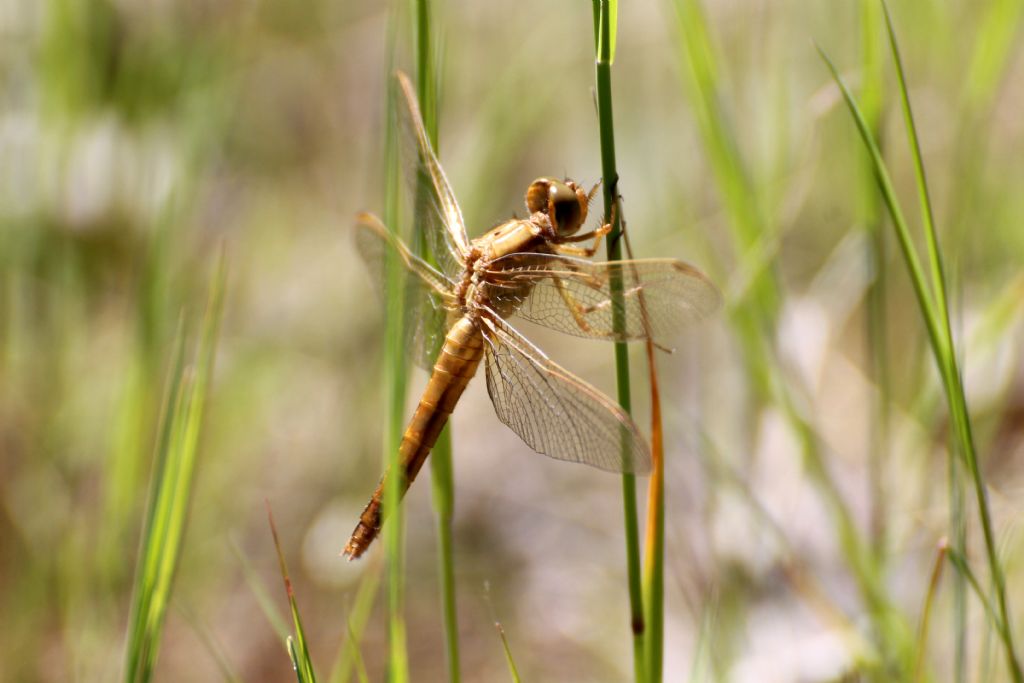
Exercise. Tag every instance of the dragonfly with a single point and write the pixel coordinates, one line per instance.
(531, 268)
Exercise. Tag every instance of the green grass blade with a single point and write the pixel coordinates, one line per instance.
(949, 362)
(938, 277)
(910, 257)
(298, 648)
(441, 467)
(171, 490)
(298, 663)
(955, 391)
(610, 176)
(140, 640)
(990, 59)
(936, 318)
(395, 381)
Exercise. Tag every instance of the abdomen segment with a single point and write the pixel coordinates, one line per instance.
(456, 364)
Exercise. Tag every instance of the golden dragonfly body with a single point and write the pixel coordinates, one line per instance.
(532, 268)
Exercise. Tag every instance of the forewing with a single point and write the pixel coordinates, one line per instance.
(574, 296)
(437, 215)
(427, 292)
(555, 412)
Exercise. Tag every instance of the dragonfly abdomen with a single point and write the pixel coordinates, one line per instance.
(456, 364)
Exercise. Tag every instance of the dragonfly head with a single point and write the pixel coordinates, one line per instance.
(564, 203)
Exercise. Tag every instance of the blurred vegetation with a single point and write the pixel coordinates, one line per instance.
(808, 480)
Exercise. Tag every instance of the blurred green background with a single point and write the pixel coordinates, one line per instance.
(138, 138)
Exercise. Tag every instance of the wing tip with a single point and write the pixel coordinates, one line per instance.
(714, 301)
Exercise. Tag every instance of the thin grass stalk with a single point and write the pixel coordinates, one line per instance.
(260, 593)
(992, 54)
(357, 656)
(509, 660)
(926, 612)
(999, 23)
(956, 394)
(905, 242)
(654, 557)
(610, 176)
(444, 503)
(888, 193)
(943, 350)
(654, 543)
(958, 522)
(350, 656)
(702, 659)
(513, 672)
(395, 382)
(927, 215)
(441, 468)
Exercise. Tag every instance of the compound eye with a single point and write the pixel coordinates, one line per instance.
(537, 195)
(567, 214)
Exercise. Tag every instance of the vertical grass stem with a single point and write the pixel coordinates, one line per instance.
(441, 467)
(610, 176)
(395, 381)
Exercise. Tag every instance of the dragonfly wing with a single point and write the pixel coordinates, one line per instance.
(556, 413)
(574, 296)
(427, 292)
(437, 215)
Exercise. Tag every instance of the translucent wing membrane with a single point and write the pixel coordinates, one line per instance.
(428, 297)
(555, 412)
(574, 296)
(437, 214)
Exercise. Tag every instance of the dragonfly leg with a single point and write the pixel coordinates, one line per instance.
(578, 310)
(597, 235)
